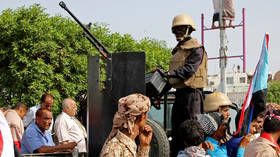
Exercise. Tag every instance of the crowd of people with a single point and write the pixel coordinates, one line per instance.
(200, 126)
(34, 130)
(207, 134)
(212, 128)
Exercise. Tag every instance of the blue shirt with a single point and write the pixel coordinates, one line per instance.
(33, 139)
(233, 145)
(221, 150)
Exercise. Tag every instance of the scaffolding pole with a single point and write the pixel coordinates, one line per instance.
(223, 63)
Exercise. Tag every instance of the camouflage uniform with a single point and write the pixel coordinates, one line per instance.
(119, 144)
(123, 146)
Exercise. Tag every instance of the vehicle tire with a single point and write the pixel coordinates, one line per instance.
(159, 144)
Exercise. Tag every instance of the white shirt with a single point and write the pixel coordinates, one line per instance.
(6, 138)
(29, 118)
(67, 129)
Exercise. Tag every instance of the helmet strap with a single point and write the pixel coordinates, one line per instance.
(187, 32)
(188, 29)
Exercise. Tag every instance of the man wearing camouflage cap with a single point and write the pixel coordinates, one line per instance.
(128, 123)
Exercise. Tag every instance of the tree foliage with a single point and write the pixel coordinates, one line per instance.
(41, 53)
(273, 93)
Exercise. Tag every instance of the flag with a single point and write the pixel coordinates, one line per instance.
(254, 102)
(6, 140)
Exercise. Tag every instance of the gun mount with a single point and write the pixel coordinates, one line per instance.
(92, 39)
(125, 74)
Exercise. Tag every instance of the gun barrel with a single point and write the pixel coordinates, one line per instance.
(98, 45)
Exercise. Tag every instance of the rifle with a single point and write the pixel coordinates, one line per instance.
(98, 45)
(91, 38)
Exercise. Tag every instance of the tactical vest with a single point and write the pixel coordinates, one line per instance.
(199, 78)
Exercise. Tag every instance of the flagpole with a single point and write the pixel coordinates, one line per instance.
(222, 50)
(255, 97)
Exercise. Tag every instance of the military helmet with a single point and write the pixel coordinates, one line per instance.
(182, 20)
(216, 100)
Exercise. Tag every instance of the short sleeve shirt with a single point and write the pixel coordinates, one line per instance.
(221, 150)
(15, 124)
(66, 129)
(33, 138)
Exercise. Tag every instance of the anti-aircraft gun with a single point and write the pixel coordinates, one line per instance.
(125, 74)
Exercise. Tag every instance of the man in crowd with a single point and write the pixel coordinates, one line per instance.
(266, 144)
(193, 139)
(14, 118)
(128, 123)
(46, 102)
(37, 138)
(187, 73)
(67, 128)
(214, 127)
(255, 129)
(218, 102)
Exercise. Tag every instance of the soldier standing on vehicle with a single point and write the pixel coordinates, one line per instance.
(187, 73)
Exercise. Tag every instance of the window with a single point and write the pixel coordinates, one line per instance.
(229, 80)
(242, 79)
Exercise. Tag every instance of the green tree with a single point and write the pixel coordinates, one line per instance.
(273, 93)
(40, 53)
(157, 53)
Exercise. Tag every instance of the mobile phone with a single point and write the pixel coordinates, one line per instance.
(6, 108)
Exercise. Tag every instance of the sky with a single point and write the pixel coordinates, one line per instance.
(153, 18)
